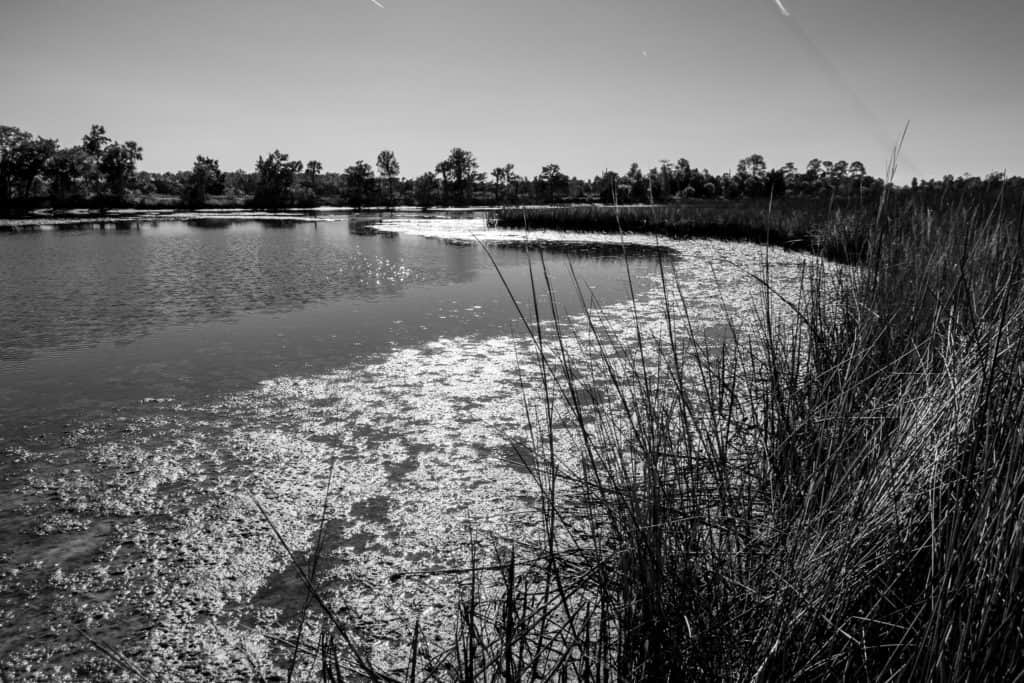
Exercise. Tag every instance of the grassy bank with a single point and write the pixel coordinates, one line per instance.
(839, 234)
(836, 498)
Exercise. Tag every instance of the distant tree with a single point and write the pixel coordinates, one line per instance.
(95, 141)
(275, 180)
(500, 182)
(444, 171)
(506, 184)
(552, 181)
(666, 184)
(359, 184)
(240, 182)
(731, 186)
(426, 191)
(109, 165)
(22, 160)
(117, 166)
(170, 183)
(459, 173)
(606, 187)
(205, 179)
(93, 144)
(10, 139)
(313, 169)
(515, 182)
(775, 184)
(826, 173)
(814, 170)
(388, 168)
(752, 166)
(144, 183)
(636, 188)
(64, 171)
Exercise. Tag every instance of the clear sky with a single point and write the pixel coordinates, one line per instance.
(587, 84)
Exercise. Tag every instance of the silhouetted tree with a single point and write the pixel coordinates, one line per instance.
(95, 141)
(776, 183)
(498, 173)
(752, 166)
(636, 188)
(275, 179)
(205, 179)
(64, 171)
(359, 184)
(110, 165)
(10, 138)
(814, 171)
(458, 176)
(506, 184)
(552, 181)
(22, 159)
(606, 187)
(313, 169)
(118, 167)
(426, 191)
(388, 168)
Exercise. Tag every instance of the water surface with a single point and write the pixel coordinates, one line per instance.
(157, 382)
(94, 319)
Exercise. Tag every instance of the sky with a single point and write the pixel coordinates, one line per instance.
(587, 84)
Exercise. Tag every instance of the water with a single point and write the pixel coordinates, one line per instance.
(93, 320)
(157, 382)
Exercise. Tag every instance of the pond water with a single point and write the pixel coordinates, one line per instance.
(93, 319)
(159, 378)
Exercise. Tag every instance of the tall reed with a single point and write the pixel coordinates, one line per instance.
(833, 493)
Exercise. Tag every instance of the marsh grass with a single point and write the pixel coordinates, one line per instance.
(833, 492)
(793, 224)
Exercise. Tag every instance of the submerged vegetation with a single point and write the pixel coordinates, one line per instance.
(831, 493)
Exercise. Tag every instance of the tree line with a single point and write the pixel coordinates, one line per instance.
(101, 172)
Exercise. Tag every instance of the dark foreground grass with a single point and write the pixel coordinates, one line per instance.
(836, 494)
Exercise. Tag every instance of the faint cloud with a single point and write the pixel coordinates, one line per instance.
(377, 4)
(643, 52)
(782, 8)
